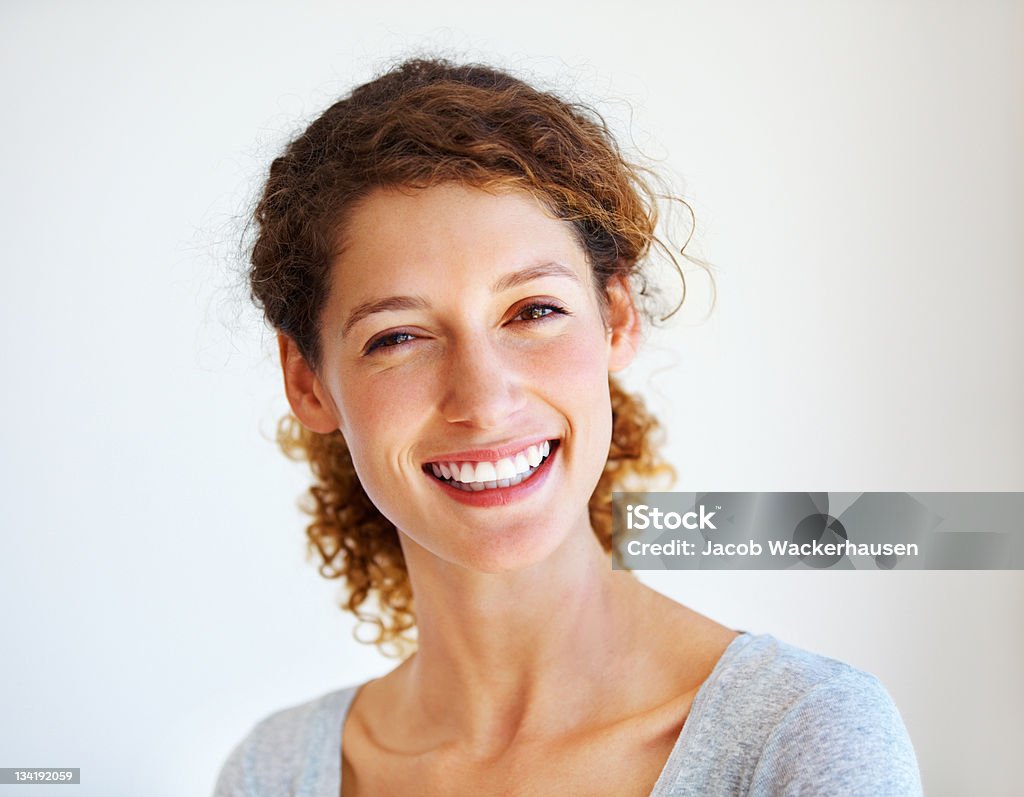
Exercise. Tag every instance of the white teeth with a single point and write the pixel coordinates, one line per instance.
(506, 469)
(485, 472)
(506, 472)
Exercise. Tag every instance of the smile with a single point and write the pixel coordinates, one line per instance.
(506, 472)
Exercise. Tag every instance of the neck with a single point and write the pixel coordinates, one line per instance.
(511, 656)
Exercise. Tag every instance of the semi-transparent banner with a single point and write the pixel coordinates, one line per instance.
(842, 531)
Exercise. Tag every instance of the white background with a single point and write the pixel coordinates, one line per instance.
(857, 174)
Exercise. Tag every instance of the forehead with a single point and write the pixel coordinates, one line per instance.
(451, 232)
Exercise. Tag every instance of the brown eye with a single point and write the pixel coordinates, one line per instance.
(535, 312)
(389, 341)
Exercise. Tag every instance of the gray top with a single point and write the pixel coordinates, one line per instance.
(770, 719)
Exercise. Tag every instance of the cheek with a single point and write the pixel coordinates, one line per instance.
(574, 365)
(575, 376)
(379, 415)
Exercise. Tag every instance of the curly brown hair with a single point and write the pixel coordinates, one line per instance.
(420, 124)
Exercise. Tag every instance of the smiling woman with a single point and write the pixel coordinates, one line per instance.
(462, 328)
(452, 261)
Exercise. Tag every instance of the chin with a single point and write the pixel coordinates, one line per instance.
(518, 545)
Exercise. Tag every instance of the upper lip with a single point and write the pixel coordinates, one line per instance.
(490, 453)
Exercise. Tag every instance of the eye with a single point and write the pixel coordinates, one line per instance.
(388, 341)
(540, 310)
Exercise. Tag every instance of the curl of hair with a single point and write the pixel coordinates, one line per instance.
(423, 123)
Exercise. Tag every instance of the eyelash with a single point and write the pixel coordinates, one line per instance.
(382, 342)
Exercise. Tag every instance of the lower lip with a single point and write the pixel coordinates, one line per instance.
(501, 496)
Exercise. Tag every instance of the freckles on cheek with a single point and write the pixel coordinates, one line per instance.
(577, 361)
(378, 407)
(373, 413)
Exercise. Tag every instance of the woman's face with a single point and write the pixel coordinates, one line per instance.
(466, 361)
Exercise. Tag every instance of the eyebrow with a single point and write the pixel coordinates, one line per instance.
(509, 281)
(517, 278)
(390, 303)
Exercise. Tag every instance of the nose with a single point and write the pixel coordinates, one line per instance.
(482, 388)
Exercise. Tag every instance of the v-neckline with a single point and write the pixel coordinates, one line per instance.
(669, 772)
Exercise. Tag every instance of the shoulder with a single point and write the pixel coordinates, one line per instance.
(288, 752)
(776, 670)
(803, 723)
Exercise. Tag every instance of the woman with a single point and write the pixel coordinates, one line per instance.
(449, 257)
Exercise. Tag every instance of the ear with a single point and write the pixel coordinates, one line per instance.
(309, 400)
(623, 324)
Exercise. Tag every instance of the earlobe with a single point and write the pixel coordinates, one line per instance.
(623, 323)
(306, 394)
